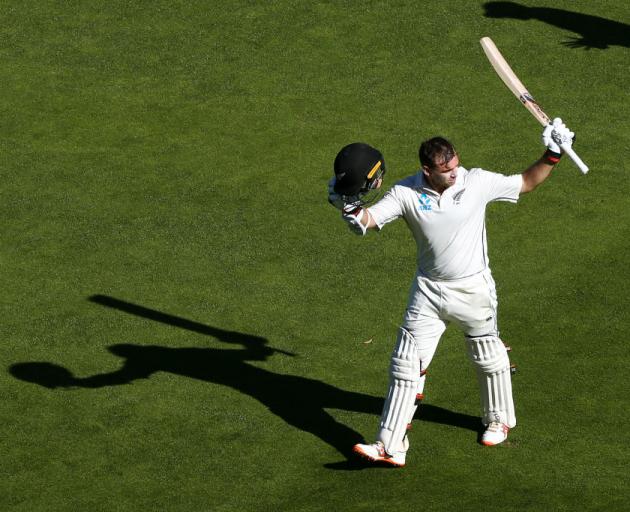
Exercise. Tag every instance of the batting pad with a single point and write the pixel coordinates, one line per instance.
(400, 405)
(490, 358)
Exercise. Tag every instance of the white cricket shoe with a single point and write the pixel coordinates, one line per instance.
(496, 433)
(376, 453)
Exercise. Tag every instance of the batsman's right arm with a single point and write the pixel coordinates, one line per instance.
(358, 219)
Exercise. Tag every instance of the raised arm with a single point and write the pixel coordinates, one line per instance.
(536, 173)
(553, 135)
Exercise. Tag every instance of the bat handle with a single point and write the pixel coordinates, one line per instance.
(576, 159)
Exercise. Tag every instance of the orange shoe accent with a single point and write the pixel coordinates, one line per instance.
(505, 429)
(383, 457)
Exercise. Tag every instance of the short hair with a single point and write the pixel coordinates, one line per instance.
(435, 151)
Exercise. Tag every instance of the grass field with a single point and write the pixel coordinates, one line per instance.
(185, 318)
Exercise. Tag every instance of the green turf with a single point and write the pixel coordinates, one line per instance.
(164, 167)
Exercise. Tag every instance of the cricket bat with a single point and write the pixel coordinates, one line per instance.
(510, 79)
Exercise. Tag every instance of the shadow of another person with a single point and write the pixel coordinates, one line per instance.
(594, 31)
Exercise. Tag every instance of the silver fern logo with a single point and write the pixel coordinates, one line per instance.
(458, 196)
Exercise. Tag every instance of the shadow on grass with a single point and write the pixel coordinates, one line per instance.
(594, 31)
(300, 401)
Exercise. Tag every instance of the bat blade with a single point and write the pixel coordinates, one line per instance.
(513, 83)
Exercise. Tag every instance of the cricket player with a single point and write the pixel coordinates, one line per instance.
(444, 207)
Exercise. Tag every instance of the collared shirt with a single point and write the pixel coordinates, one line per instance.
(449, 229)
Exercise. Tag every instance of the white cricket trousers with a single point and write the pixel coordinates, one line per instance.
(470, 302)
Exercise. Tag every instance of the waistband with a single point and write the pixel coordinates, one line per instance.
(485, 271)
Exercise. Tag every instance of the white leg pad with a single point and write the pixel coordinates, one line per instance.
(404, 384)
(492, 363)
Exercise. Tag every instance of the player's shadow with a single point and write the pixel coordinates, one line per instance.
(593, 31)
(300, 401)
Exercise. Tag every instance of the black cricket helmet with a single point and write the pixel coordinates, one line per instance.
(359, 169)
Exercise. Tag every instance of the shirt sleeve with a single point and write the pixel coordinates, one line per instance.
(499, 187)
(387, 209)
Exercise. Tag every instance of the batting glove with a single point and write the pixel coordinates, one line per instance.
(352, 215)
(556, 134)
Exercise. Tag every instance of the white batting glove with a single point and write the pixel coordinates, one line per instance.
(352, 215)
(556, 134)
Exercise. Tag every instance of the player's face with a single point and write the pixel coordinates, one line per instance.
(442, 175)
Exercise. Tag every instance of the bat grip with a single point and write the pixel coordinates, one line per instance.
(573, 156)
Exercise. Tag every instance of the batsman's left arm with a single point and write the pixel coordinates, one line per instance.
(553, 136)
(535, 174)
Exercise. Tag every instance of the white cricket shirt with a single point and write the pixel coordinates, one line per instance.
(449, 229)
